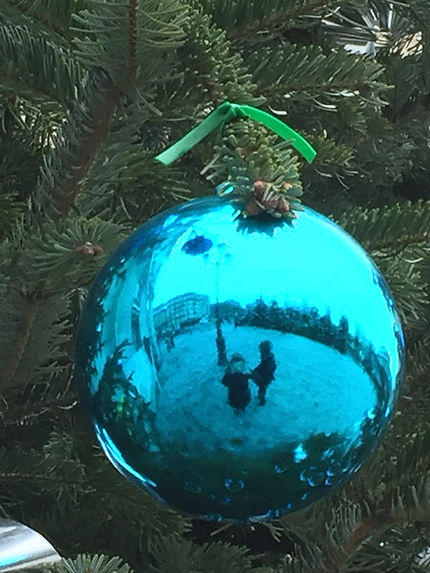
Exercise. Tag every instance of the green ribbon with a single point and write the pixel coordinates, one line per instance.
(225, 112)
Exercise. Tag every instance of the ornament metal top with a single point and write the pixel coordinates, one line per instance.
(229, 380)
(22, 548)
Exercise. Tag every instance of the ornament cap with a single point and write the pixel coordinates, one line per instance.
(23, 548)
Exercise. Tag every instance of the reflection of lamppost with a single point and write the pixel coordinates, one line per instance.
(200, 245)
(222, 256)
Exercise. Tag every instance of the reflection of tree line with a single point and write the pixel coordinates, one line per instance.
(119, 406)
(307, 322)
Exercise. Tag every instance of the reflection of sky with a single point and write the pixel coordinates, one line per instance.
(314, 264)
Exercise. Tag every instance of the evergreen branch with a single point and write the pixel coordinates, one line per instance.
(173, 554)
(360, 534)
(51, 15)
(58, 397)
(31, 57)
(407, 286)
(331, 532)
(394, 548)
(208, 60)
(38, 15)
(94, 564)
(395, 485)
(332, 156)
(98, 131)
(290, 70)
(101, 121)
(246, 19)
(68, 254)
(33, 328)
(85, 133)
(250, 154)
(419, 358)
(76, 145)
(132, 46)
(60, 261)
(117, 182)
(11, 208)
(389, 227)
(31, 475)
(400, 245)
(20, 342)
(55, 464)
(22, 95)
(106, 33)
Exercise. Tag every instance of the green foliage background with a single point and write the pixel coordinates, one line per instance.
(90, 92)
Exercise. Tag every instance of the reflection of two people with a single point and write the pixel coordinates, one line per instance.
(237, 376)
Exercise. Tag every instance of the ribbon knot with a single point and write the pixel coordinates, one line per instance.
(225, 112)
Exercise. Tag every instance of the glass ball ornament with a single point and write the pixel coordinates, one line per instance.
(239, 368)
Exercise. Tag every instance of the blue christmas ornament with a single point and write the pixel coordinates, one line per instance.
(239, 368)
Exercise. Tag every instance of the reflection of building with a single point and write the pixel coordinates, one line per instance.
(183, 310)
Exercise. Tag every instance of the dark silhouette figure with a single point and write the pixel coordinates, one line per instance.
(236, 379)
(263, 374)
(170, 340)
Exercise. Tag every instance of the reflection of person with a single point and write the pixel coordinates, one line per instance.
(263, 374)
(236, 379)
(170, 340)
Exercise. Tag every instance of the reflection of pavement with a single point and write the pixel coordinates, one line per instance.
(316, 389)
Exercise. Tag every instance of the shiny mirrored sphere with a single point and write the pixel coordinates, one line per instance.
(239, 368)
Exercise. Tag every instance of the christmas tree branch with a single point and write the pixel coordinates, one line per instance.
(33, 326)
(18, 346)
(32, 88)
(400, 245)
(230, 80)
(39, 16)
(389, 226)
(294, 70)
(279, 20)
(100, 126)
(31, 59)
(102, 120)
(363, 531)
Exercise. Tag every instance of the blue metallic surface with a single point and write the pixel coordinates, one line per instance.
(239, 368)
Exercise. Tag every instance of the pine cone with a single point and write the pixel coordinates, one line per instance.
(283, 205)
(267, 200)
(252, 208)
(88, 249)
(259, 186)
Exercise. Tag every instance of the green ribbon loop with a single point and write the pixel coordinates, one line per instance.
(224, 113)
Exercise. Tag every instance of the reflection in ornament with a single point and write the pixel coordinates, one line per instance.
(23, 548)
(243, 373)
(234, 485)
(197, 246)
